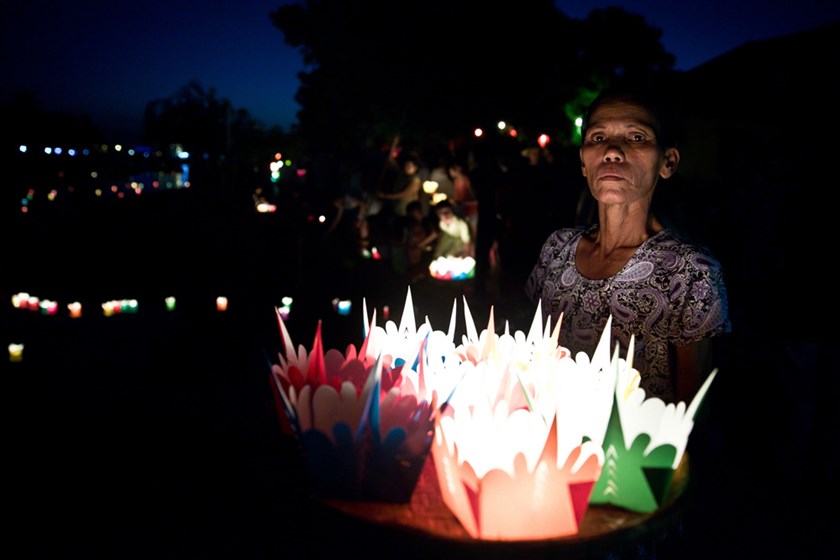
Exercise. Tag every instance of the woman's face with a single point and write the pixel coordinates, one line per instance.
(621, 159)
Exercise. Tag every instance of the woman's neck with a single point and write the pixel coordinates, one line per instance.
(606, 249)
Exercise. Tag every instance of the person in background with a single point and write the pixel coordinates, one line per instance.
(439, 174)
(408, 188)
(417, 231)
(452, 237)
(666, 292)
(463, 198)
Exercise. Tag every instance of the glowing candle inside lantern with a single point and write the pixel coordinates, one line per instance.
(75, 309)
(170, 303)
(20, 300)
(344, 307)
(129, 305)
(34, 303)
(221, 303)
(48, 307)
(15, 352)
(108, 308)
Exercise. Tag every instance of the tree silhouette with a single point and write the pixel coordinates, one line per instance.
(26, 122)
(197, 119)
(435, 69)
(193, 116)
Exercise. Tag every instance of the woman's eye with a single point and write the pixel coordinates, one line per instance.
(637, 137)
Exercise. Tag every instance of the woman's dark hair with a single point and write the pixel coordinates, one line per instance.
(665, 125)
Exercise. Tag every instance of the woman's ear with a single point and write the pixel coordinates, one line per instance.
(672, 160)
(582, 166)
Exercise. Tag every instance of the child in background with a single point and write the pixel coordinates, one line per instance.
(453, 237)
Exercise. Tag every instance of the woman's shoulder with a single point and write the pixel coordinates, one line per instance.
(693, 252)
(561, 240)
(675, 241)
(567, 234)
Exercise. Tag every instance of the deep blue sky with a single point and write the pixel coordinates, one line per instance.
(109, 58)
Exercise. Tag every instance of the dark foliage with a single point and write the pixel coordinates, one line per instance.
(436, 69)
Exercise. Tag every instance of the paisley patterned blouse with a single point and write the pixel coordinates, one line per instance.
(670, 293)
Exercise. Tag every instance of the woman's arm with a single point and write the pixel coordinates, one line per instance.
(694, 363)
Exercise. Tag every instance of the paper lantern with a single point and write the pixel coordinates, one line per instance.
(344, 306)
(221, 303)
(16, 352)
(452, 268)
(430, 353)
(364, 426)
(75, 309)
(170, 303)
(644, 443)
(48, 307)
(517, 451)
(284, 311)
(20, 300)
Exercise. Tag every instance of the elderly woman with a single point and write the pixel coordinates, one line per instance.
(665, 291)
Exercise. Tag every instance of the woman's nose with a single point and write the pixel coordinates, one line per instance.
(613, 153)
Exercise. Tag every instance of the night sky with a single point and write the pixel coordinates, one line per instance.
(109, 59)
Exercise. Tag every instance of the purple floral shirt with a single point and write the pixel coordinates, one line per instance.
(670, 293)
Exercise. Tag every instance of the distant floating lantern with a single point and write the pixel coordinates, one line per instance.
(284, 311)
(452, 268)
(286, 307)
(15, 352)
(170, 303)
(108, 308)
(344, 307)
(48, 307)
(33, 303)
(75, 309)
(129, 305)
(221, 303)
(20, 300)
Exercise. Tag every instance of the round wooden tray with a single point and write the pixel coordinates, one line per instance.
(427, 514)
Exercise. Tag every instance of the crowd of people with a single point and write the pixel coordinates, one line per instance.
(493, 200)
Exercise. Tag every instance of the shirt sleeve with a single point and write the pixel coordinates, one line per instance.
(705, 307)
(536, 279)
